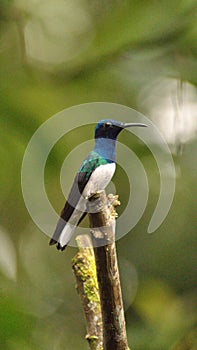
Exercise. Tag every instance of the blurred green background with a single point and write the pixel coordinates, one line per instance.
(59, 53)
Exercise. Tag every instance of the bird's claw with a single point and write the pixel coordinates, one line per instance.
(94, 195)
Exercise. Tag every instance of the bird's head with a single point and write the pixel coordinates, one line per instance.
(109, 129)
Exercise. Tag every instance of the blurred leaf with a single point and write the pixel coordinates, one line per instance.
(14, 322)
(188, 342)
(8, 262)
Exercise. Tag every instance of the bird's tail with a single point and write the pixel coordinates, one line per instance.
(64, 231)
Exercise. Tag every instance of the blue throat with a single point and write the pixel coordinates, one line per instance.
(106, 148)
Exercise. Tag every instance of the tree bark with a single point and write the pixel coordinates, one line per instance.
(102, 214)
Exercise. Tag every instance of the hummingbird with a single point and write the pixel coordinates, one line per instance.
(94, 174)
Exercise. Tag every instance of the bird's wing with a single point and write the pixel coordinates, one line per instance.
(81, 179)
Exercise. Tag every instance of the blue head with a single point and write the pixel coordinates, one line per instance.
(109, 129)
(106, 133)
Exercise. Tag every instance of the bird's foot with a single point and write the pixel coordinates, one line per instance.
(94, 195)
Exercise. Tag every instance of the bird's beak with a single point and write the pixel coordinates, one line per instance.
(127, 125)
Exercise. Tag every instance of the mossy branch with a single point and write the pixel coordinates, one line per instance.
(84, 268)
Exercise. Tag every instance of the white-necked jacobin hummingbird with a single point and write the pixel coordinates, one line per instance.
(93, 176)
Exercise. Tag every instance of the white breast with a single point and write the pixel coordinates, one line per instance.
(99, 179)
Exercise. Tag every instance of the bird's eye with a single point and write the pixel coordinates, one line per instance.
(107, 125)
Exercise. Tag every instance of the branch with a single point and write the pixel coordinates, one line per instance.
(102, 222)
(84, 268)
